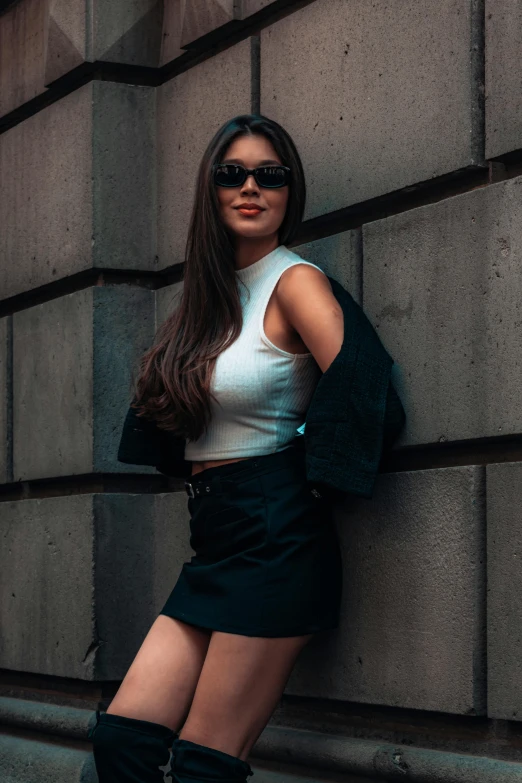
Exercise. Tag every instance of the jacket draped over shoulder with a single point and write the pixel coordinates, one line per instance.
(355, 415)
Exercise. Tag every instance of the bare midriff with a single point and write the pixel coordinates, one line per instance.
(197, 467)
(283, 336)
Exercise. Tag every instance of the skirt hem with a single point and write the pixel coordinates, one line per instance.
(264, 632)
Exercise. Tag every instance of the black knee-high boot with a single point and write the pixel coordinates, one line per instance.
(192, 762)
(127, 750)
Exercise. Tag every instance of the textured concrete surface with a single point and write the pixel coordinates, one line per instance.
(504, 482)
(4, 389)
(503, 77)
(374, 99)
(199, 17)
(412, 630)
(33, 761)
(73, 363)
(127, 31)
(67, 34)
(124, 176)
(46, 195)
(189, 114)
(323, 754)
(48, 619)
(251, 6)
(101, 568)
(171, 34)
(304, 774)
(42, 41)
(57, 719)
(77, 187)
(441, 285)
(22, 53)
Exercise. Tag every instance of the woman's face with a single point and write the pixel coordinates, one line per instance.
(250, 152)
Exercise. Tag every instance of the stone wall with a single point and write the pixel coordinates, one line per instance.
(408, 117)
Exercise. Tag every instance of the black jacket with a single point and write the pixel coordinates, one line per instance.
(354, 416)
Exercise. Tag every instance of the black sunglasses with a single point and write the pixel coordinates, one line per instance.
(232, 175)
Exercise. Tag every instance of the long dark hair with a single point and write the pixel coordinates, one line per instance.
(173, 384)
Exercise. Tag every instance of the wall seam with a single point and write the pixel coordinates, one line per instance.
(255, 74)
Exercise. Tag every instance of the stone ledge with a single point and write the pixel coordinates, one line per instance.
(49, 718)
(34, 761)
(30, 761)
(380, 760)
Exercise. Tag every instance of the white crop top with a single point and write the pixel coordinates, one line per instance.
(263, 391)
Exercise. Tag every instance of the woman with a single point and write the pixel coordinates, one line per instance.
(233, 369)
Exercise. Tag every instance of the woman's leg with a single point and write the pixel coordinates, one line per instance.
(161, 681)
(239, 687)
(132, 740)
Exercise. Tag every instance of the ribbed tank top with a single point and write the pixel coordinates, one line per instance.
(263, 391)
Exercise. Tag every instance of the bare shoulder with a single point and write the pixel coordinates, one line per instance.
(302, 274)
(302, 284)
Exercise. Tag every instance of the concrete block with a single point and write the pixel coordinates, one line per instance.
(249, 7)
(200, 17)
(77, 187)
(188, 117)
(46, 194)
(33, 761)
(49, 619)
(503, 77)
(375, 100)
(101, 568)
(4, 399)
(340, 256)
(412, 629)
(42, 41)
(74, 357)
(127, 32)
(504, 481)
(22, 53)
(124, 179)
(442, 287)
(68, 35)
(171, 35)
(184, 23)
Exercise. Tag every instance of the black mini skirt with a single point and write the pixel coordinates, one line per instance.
(267, 558)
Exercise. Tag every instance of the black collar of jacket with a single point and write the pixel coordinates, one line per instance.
(354, 416)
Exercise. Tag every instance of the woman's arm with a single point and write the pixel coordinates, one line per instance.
(308, 303)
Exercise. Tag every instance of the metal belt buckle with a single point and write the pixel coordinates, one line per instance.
(189, 489)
